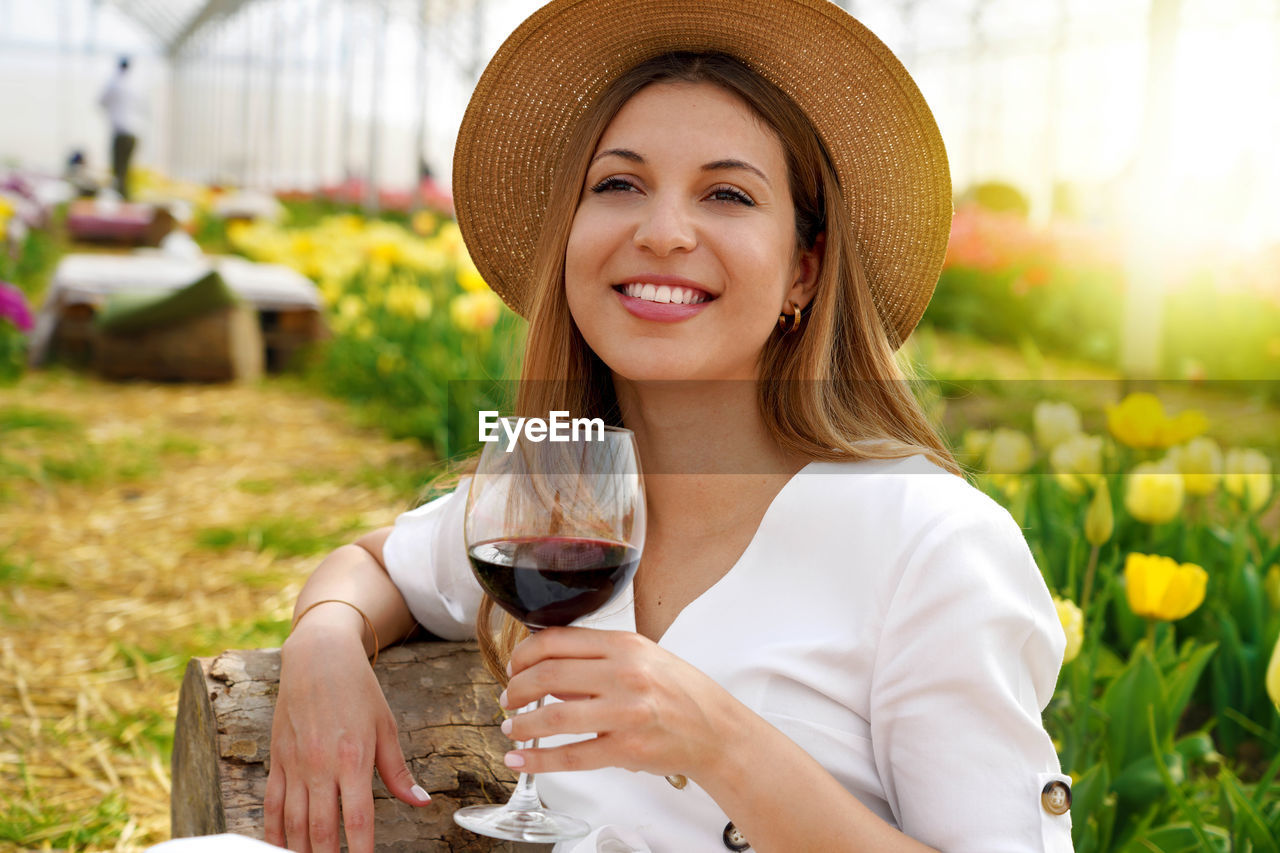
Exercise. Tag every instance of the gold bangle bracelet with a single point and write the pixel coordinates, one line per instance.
(367, 621)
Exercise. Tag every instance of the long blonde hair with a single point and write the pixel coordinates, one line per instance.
(832, 391)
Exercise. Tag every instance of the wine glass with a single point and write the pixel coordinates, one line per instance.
(554, 531)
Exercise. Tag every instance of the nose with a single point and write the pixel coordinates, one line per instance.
(665, 226)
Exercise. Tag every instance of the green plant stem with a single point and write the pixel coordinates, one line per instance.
(1151, 637)
(1185, 806)
(1088, 579)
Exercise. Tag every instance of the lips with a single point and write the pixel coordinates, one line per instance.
(662, 298)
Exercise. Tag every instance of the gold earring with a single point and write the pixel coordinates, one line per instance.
(788, 323)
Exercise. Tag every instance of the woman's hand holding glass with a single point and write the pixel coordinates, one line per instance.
(651, 710)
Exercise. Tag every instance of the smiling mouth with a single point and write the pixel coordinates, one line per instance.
(664, 294)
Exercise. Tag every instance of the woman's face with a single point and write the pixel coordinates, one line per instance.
(683, 250)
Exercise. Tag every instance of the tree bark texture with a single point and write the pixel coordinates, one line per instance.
(446, 709)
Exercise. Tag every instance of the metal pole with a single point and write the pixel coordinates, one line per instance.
(64, 83)
(348, 95)
(302, 140)
(1042, 201)
(175, 164)
(420, 148)
(379, 70)
(977, 56)
(332, 69)
(216, 99)
(273, 98)
(477, 38)
(315, 126)
(246, 97)
(909, 45)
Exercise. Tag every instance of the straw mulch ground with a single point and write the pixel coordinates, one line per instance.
(141, 525)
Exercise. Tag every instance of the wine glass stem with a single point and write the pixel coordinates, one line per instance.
(525, 796)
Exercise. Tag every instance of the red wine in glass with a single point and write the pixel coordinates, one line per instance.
(552, 580)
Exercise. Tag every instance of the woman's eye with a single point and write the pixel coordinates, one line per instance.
(732, 194)
(613, 185)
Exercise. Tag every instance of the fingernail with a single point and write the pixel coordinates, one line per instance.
(420, 793)
(502, 699)
(508, 669)
(506, 726)
(514, 759)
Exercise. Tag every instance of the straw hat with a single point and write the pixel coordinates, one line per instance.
(882, 138)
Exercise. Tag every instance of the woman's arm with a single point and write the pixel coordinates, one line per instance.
(357, 574)
(332, 725)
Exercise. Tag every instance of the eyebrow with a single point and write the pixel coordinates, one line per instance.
(716, 166)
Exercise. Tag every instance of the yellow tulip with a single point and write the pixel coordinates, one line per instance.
(1009, 452)
(1273, 676)
(406, 299)
(1184, 426)
(1054, 423)
(1072, 625)
(976, 442)
(1158, 588)
(1200, 462)
(1247, 475)
(424, 222)
(1139, 420)
(421, 256)
(1153, 493)
(469, 277)
(1077, 462)
(389, 363)
(475, 312)
(1099, 521)
(350, 307)
(449, 238)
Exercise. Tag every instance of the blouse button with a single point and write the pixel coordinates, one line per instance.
(733, 838)
(1056, 798)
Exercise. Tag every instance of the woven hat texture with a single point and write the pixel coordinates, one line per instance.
(871, 116)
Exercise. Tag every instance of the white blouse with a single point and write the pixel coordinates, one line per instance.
(887, 616)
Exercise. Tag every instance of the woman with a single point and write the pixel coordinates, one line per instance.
(721, 218)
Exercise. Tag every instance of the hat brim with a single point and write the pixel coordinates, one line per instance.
(884, 143)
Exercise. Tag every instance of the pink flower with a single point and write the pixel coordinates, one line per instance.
(13, 307)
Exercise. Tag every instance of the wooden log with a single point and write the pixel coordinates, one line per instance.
(446, 709)
(219, 346)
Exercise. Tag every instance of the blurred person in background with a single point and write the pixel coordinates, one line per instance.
(125, 109)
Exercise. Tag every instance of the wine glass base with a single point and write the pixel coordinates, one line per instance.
(534, 825)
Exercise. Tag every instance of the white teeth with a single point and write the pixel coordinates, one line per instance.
(665, 294)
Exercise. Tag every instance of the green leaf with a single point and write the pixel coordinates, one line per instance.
(1254, 823)
(1127, 702)
(1181, 682)
(1264, 784)
(1182, 837)
(1086, 799)
(1248, 598)
(1195, 747)
(1142, 782)
(1187, 808)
